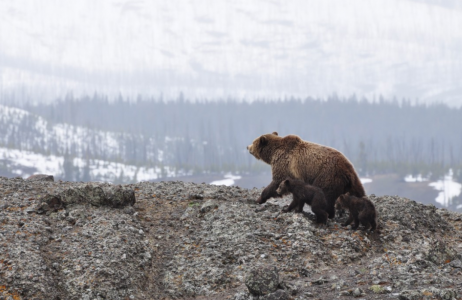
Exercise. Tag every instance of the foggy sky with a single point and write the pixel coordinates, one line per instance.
(245, 49)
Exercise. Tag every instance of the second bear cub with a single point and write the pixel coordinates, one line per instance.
(305, 193)
(362, 210)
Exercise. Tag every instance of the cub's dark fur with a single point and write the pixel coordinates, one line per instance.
(305, 193)
(361, 209)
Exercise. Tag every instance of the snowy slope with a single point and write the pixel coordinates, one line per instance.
(26, 163)
(403, 48)
(30, 131)
(29, 144)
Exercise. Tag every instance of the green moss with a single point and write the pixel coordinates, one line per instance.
(377, 289)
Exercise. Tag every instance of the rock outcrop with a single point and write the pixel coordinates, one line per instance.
(176, 240)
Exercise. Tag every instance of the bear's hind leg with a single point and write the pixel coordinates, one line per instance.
(373, 225)
(331, 197)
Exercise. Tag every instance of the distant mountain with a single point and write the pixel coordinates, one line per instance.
(261, 48)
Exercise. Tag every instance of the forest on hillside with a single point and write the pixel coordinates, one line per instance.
(377, 135)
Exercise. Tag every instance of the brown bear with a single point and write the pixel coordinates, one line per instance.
(305, 193)
(315, 164)
(361, 209)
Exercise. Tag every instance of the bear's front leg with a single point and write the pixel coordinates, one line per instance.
(269, 192)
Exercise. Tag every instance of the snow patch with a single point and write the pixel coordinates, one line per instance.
(228, 181)
(365, 180)
(418, 178)
(448, 189)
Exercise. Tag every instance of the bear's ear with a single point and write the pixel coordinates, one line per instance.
(275, 133)
(287, 182)
(263, 140)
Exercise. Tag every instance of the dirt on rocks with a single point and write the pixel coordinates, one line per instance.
(177, 240)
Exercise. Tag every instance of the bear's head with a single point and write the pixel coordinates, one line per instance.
(261, 148)
(284, 188)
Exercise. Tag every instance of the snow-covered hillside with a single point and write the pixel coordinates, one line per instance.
(26, 163)
(403, 48)
(26, 131)
(29, 144)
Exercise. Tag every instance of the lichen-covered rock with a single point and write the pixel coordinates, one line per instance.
(71, 251)
(71, 240)
(118, 196)
(378, 289)
(262, 280)
(440, 253)
(429, 293)
(410, 295)
(50, 203)
(73, 196)
(95, 195)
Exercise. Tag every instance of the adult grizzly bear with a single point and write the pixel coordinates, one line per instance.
(305, 193)
(315, 164)
(362, 210)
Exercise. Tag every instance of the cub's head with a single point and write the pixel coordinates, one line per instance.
(260, 148)
(342, 201)
(284, 188)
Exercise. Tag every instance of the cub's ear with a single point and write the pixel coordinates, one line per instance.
(263, 140)
(275, 133)
(287, 182)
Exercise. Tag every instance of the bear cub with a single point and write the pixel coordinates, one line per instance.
(361, 209)
(304, 193)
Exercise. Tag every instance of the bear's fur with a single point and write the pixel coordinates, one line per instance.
(304, 193)
(315, 164)
(361, 209)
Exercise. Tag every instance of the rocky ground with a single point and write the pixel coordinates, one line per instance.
(176, 240)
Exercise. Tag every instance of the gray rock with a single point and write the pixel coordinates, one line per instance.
(320, 281)
(357, 292)
(262, 281)
(73, 196)
(208, 206)
(119, 196)
(50, 203)
(40, 177)
(410, 295)
(456, 263)
(95, 195)
(444, 294)
(278, 295)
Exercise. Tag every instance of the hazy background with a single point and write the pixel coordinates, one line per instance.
(125, 91)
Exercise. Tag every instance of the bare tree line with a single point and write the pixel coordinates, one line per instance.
(378, 136)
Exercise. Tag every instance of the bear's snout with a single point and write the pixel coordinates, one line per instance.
(250, 148)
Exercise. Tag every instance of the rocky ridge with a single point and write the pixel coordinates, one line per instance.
(177, 240)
